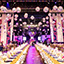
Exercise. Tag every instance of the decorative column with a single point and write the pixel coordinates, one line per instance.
(59, 29)
(63, 27)
(0, 27)
(11, 27)
(4, 29)
(51, 28)
(54, 27)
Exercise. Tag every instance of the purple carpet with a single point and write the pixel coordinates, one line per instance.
(33, 56)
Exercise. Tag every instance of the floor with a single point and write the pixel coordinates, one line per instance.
(33, 56)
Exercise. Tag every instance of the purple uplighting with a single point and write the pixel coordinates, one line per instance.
(32, 32)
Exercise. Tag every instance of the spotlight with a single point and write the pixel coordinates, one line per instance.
(32, 37)
(39, 38)
(55, 2)
(7, 5)
(24, 38)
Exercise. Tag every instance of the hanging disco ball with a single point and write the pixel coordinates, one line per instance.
(32, 17)
(16, 15)
(17, 23)
(60, 8)
(15, 19)
(53, 15)
(14, 10)
(20, 19)
(31, 23)
(47, 17)
(8, 15)
(61, 18)
(26, 15)
(20, 30)
(20, 24)
(47, 29)
(37, 9)
(3, 8)
(46, 9)
(43, 29)
(49, 14)
(55, 7)
(40, 23)
(18, 9)
(7, 19)
(24, 23)
(43, 19)
(37, 28)
(47, 22)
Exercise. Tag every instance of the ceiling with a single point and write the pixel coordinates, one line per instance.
(32, 0)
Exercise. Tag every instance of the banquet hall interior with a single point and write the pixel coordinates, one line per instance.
(31, 31)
